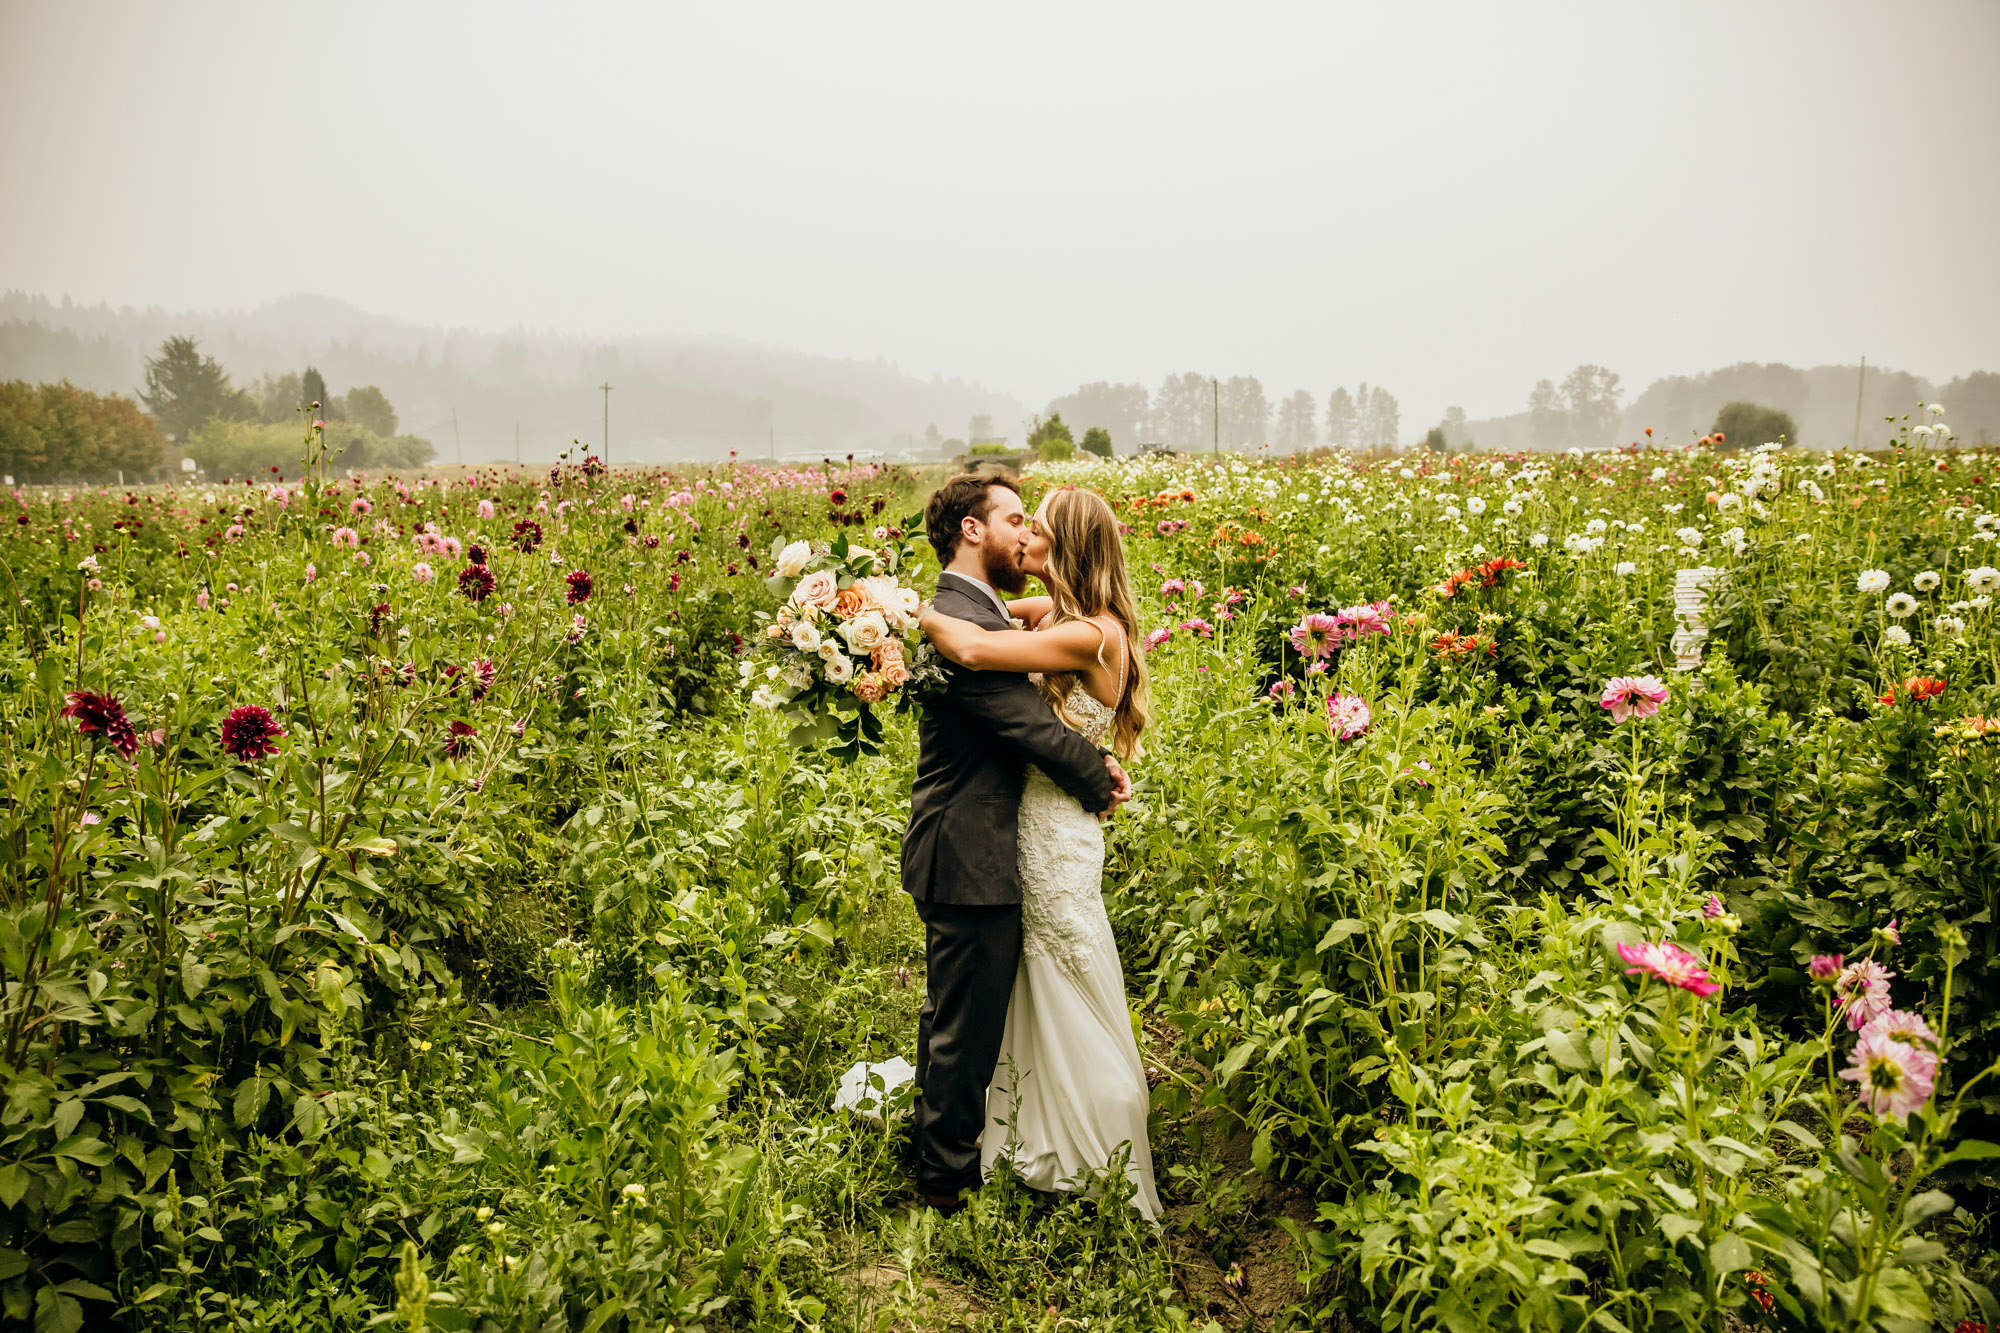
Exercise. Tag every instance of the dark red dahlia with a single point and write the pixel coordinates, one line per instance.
(376, 615)
(527, 535)
(683, 558)
(593, 466)
(460, 742)
(838, 496)
(476, 582)
(879, 503)
(673, 583)
(476, 554)
(731, 571)
(632, 526)
(483, 673)
(250, 733)
(650, 542)
(103, 715)
(579, 586)
(735, 644)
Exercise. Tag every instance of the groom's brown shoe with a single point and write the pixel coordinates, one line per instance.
(946, 1204)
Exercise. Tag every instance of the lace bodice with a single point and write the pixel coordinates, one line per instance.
(1062, 854)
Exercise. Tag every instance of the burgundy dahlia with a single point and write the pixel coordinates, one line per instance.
(250, 733)
(105, 716)
(839, 497)
(483, 673)
(376, 615)
(476, 582)
(579, 586)
(527, 535)
(460, 742)
(476, 553)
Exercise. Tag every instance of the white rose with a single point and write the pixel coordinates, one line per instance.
(792, 560)
(839, 669)
(805, 638)
(864, 632)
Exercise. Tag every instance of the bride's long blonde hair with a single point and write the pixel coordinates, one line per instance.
(1086, 578)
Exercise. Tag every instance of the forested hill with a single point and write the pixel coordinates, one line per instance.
(672, 397)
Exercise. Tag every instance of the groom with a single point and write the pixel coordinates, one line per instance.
(959, 852)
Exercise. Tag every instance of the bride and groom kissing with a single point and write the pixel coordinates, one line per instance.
(1025, 1046)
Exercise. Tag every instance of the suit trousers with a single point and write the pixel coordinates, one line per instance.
(970, 956)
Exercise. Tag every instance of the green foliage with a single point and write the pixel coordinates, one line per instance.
(1096, 440)
(1051, 439)
(240, 448)
(184, 389)
(57, 432)
(1747, 425)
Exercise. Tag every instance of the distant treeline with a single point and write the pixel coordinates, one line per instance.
(57, 432)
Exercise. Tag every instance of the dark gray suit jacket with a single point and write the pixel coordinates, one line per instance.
(976, 739)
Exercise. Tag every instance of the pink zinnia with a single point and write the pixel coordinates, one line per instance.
(1863, 991)
(1893, 1078)
(1629, 696)
(1172, 588)
(1315, 635)
(1158, 637)
(346, 537)
(422, 572)
(1348, 715)
(1670, 963)
(1200, 627)
(1282, 689)
(361, 505)
(486, 509)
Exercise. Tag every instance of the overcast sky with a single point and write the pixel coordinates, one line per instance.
(1451, 201)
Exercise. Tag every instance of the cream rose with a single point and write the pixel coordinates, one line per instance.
(792, 560)
(805, 638)
(864, 632)
(818, 588)
(839, 669)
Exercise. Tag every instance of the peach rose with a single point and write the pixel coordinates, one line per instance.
(871, 688)
(851, 602)
(889, 662)
(818, 588)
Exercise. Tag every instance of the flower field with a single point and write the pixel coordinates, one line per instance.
(1560, 893)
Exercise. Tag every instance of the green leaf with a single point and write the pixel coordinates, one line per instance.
(1677, 1228)
(14, 1180)
(56, 1313)
(194, 976)
(1729, 1253)
(1922, 1207)
(1233, 1063)
(12, 1262)
(86, 1148)
(1900, 1294)
(1339, 931)
(1567, 1050)
(1260, 1150)
(1440, 919)
(1682, 1198)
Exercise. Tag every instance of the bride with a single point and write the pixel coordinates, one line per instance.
(1070, 1093)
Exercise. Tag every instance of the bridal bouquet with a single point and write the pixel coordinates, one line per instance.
(845, 640)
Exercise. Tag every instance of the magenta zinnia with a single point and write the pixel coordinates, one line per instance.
(103, 715)
(1633, 696)
(579, 586)
(1316, 635)
(250, 733)
(1670, 963)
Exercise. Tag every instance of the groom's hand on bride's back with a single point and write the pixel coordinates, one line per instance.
(1121, 786)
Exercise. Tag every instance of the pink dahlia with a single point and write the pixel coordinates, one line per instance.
(1316, 635)
(1892, 1077)
(1825, 967)
(1670, 963)
(1904, 1026)
(1199, 627)
(1862, 989)
(1713, 907)
(1367, 618)
(1629, 696)
(1158, 637)
(1348, 715)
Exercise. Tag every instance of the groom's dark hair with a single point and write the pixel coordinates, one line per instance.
(951, 503)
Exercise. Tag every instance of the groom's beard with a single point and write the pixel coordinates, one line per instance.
(1003, 569)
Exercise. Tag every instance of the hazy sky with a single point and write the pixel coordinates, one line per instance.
(1451, 201)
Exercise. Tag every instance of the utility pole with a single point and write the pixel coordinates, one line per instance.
(1215, 393)
(1859, 380)
(457, 449)
(606, 386)
(517, 444)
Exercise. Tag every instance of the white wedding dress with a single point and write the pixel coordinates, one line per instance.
(1069, 1078)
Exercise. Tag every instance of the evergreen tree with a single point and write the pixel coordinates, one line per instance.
(1340, 419)
(185, 388)
(1096, 440)
(1296, 432)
